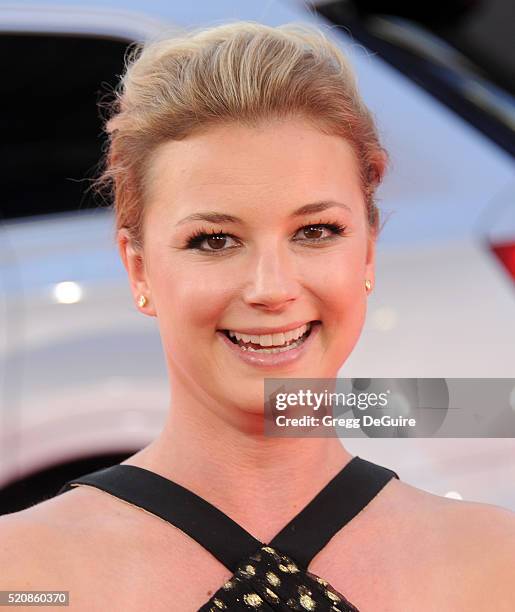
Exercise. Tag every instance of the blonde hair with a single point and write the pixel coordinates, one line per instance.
(242, 72)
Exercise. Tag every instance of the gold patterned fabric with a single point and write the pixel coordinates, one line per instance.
(269, 580)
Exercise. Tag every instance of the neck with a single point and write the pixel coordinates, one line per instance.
(260, 482)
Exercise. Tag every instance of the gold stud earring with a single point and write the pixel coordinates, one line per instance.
(142, 301)
(368, 285)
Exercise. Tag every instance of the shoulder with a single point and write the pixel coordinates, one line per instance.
(50, 541)
(86, 537)
(479, 527)
(477, 520)
(471, 547)
(31, 552)
(67, 543)
(486, 537)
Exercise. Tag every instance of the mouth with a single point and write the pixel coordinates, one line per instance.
(271, 343)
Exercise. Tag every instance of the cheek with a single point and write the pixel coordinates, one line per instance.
(195, 297)
(340, 279)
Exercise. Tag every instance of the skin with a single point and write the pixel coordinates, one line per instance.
(213, 441)
(271, 274)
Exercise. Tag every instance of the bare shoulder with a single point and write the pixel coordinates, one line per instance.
(474, 546)
(476, 526)
(31, 552)
(101, 548)
(46, 546)
(67, 543)
(486, 536)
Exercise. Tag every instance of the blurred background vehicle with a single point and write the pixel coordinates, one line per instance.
(82, 375)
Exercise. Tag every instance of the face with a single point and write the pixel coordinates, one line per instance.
(290, 246)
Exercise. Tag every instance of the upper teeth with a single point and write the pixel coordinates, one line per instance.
(272, 339)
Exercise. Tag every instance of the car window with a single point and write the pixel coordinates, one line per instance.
(51, 126)
(448, 59)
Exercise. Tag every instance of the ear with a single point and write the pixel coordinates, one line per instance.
(370, 260)
(134, 263)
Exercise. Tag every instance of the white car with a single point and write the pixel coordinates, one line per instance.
(82, 375)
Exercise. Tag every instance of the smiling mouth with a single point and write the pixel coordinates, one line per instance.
(260, 348)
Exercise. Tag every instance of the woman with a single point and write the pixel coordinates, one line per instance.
(244, 166)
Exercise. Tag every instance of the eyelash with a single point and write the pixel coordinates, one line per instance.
(196, 239)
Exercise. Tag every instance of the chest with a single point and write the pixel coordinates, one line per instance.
(173, 572)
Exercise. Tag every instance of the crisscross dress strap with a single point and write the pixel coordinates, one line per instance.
(193, 515)
(349, 492)
(357, 483)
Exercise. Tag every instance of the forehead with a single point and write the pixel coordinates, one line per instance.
(284, 163)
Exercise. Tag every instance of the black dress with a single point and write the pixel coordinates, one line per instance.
(271, 576)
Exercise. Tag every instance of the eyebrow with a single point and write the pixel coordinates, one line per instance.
(307, 209)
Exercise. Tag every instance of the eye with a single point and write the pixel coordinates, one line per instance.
(216, 241)
(314, 233)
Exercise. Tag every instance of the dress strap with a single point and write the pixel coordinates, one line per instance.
(192, 514)
(357, 483)
(349, 492)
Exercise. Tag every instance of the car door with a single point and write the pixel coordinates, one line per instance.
(82, 372)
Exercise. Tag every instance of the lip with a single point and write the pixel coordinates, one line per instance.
(263, 331)
(267, 360)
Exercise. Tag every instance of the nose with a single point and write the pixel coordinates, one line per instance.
(273, 281)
